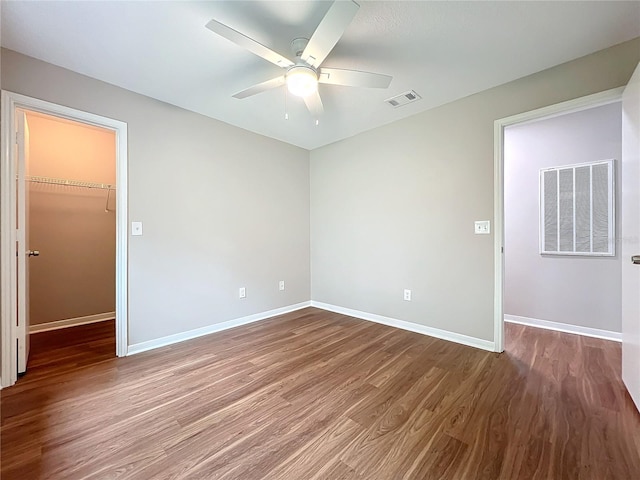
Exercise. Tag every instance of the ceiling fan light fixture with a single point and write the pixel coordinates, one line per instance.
(302, 81)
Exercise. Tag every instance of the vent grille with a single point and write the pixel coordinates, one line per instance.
(403, 99)
(577, 209)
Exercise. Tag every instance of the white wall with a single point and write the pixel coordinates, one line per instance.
(583, 291)
(222, 208)
(394, 207)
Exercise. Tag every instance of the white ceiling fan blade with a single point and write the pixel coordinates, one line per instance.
(248, 43)
(261, 87)
(329, 31)
(314, 104)
(353, 78)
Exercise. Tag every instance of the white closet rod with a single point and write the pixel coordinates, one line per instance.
(69, 183)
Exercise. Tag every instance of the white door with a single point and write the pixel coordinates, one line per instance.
(631, 237)
(22, 240)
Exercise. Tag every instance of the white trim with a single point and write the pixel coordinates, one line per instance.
(216, 327)
(576, 105)
(72, 322)
(565, 327)
(410, 326)
(9, 103)
(7, 238)
(498, 240)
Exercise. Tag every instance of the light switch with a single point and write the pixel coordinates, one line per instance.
(482, 227)
(136, 228)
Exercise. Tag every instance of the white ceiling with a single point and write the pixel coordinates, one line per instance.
(442, 50)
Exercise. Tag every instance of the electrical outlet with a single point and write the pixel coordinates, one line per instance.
(281, 285)
(136, 228)
(242, 292)
(407, 295)
(482, 227)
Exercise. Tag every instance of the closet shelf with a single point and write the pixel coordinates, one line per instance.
(69, 183)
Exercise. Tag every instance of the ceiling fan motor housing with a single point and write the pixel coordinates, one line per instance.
(298, 45)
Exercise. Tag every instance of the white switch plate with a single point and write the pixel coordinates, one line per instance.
(281, 285)
(136, 228)
(407, 295)
(242, 292)
(482, 227)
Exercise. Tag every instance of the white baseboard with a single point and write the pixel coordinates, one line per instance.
(565, 327)
(217, 327)
(72, 322)
(412, 327)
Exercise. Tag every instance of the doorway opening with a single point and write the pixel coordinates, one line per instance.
(71, 215)
(521, 157)
(64, 195)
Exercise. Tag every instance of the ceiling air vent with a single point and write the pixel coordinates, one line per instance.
(403, 99)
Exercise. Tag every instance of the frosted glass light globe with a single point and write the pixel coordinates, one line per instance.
(302, 81)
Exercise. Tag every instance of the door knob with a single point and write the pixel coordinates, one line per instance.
(635, 259)
(33, 253)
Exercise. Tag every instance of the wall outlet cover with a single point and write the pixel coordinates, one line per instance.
(136, 228)
(482, 227)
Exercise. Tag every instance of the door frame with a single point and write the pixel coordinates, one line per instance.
(10, 102)
(559, 109)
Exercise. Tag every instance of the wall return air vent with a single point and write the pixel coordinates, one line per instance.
(577, 215)
(404, 98)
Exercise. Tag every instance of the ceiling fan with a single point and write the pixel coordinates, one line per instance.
(303, 76)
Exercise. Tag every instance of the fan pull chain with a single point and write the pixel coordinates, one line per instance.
(286, 112)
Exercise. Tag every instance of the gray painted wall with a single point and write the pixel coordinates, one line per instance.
(222, 207)
(394, 207)
(582, 291)
(390, 209)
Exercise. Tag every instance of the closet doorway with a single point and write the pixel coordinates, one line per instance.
(18, 179)
(71, 215)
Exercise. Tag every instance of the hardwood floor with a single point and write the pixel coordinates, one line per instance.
(317, 395)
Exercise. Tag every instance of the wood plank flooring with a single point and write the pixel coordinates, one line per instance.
(318, 395)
